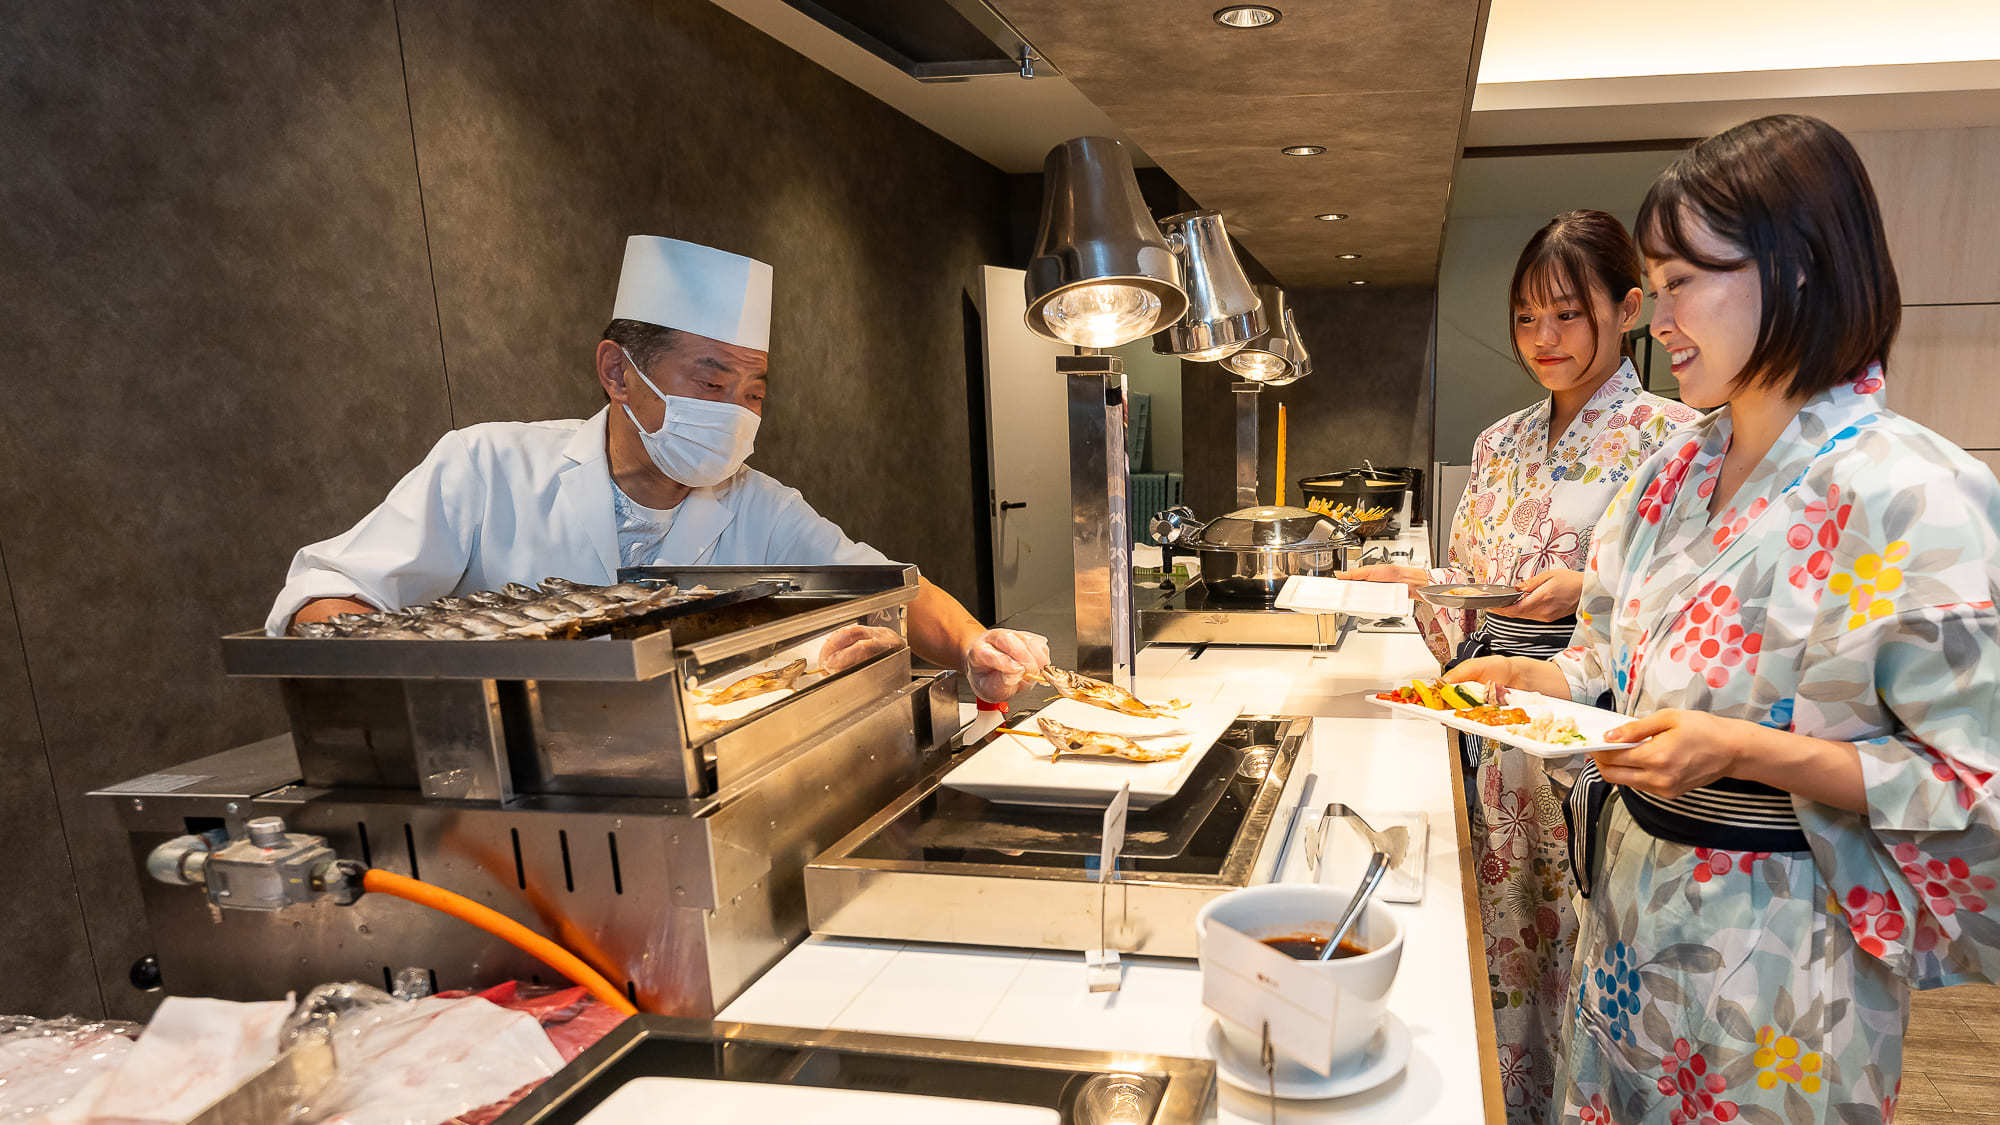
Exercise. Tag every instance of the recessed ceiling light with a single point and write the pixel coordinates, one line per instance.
(1303, 150)
(1348, 257)
(1331, 216)
(1247, 15)
(1357, 283)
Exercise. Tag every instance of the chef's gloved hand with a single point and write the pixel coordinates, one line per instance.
(999, 660)
(853, 645)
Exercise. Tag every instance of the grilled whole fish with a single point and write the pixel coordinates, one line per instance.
(1073, 743)
(1097, 693)
(558, 608)
(757, 684)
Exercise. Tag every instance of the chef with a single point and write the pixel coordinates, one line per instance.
(656, 477)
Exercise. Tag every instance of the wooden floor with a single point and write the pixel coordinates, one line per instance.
(1951, 1061)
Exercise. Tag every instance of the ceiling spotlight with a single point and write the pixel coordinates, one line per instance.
(1348, 257)
(1357, 283)
(1331, 216)
(1303, 150)
(1247, 15)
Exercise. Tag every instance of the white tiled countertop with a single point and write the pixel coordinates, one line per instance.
(1360, 756)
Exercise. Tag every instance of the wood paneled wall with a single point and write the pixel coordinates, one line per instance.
(1942, 211)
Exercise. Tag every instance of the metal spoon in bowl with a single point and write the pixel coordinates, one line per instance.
(1378, 865)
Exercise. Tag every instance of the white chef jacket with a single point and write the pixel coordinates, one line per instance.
(522, 501)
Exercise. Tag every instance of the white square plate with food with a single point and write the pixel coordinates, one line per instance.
(1591, 723)
(1018, 768)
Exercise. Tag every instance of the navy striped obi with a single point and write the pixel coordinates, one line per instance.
(1728, 814)
(1514, 636)
(1517, 636)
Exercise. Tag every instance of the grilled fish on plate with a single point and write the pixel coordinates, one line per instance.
(1097, 693)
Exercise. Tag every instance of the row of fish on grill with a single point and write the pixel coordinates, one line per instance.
(558, 609)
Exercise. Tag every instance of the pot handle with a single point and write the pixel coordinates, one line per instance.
(1174, 526)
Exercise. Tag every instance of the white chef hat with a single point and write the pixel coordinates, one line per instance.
(696, 289)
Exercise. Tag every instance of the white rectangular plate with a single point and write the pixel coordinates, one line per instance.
(1016, 770)
(1593, 722)
(1311, 594)
(706, 1101)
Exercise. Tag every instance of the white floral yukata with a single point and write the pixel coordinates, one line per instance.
(1524, 512)
(1847, 593)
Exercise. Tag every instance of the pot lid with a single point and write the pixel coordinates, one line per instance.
(1272, 526)
(1366, 477)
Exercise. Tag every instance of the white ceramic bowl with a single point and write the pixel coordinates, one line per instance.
(1283, 909)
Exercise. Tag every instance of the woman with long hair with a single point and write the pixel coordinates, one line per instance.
(1540, 479)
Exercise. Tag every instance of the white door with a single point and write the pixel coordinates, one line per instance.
(1027, 427)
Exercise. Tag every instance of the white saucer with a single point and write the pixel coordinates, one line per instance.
(1384, 1059)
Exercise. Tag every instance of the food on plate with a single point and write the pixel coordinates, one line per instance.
(1437, 695)
(1466, 592)
(1097, 693)
(1345, 513)
(1072, 742)
(776, 679)
(1558, 730)
(1468, 701)
(1493, 716)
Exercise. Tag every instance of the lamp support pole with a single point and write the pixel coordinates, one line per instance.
(1247, 399)
(1099, 482)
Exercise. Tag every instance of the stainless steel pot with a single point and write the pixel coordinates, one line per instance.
(1250, 552)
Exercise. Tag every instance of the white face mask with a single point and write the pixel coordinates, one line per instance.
(701, 443)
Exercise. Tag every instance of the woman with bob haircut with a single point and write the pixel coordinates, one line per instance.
(1795, 602)
(1541, 478)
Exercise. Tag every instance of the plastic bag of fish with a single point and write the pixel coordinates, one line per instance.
(558, 609)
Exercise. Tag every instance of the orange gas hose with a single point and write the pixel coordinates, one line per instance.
(500, 926)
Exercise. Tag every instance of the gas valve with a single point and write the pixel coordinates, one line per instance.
(267, 870)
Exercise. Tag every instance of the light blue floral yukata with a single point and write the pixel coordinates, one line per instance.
(1847, 592)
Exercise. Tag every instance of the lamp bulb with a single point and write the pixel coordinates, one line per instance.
(1260, 366)
(1102, 315)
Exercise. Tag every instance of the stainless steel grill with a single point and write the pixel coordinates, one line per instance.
(574, 785)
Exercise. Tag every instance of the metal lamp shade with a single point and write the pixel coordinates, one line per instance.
(1223, 311)
(1302, 364)
(1273, 354)
(1102, 274)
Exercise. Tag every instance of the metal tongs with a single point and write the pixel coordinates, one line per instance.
(1394, 842)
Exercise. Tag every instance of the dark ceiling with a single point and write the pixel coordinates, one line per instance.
(1385, 85)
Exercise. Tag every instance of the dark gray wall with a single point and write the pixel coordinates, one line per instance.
(257, 255)
(1369, 396)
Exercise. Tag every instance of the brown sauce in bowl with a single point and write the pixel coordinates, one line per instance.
(1308, 947)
